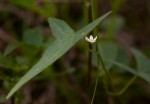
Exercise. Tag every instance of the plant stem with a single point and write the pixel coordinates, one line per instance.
(94, 7)
(103, 66)
(86, 12)
(110, 79)
(124, 88)
(94, 15)
(108, 76)
(96, 81)
(87, 19)
(89, 65)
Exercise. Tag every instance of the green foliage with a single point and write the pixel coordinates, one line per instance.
(33, 37)
(143, 65)
(59, 47)
(68, 75)
(104, 49)
(10, 48)
(122, 56)
(109, 50)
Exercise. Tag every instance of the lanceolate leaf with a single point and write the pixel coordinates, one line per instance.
(143, 65)
(62, 32)
(65, 39)
(104, 49)
(125, 67)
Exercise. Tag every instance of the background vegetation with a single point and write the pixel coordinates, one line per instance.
(25, 34)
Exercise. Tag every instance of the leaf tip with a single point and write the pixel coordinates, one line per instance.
(8, 96)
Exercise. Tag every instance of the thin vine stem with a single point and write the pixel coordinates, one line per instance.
(87, 19)
(97, 78)
(94, 15)
(98, 69)
(110, 79)
(94, 9)
(124, 88)
(107, 74)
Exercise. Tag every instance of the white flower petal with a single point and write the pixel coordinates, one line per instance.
(91, 37)
(87, 39)
(95, 39)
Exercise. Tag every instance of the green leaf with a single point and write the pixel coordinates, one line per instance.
(125, 67)
(104, 48)
(48, 42)
(33, 37)
(11, 47)
(62, 32)
(143, 64)
(122, 56)
(109, 50)
(59, 47)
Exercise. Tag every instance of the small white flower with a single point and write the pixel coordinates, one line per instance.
(91, 39)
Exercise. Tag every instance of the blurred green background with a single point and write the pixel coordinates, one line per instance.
(25, 34)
